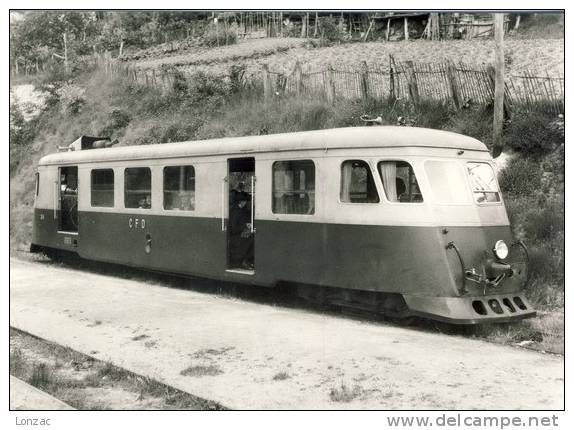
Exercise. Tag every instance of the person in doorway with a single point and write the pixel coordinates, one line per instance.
(241, 237)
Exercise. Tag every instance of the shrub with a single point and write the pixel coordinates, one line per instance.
(543, 223)
(474, 122)
(41, 376)
(330, 30)
(218, 35)
(207, 92)
(179, 86)
(535, 134)
(72, 97)
(520, 176)
(117, 120)
(237, 77)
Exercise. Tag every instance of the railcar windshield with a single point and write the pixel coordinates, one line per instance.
(483, 182)
(447, 182)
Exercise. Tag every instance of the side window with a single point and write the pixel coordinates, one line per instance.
(102, 188)
(483, 183)
(37, 183)
(179, 188)
(294, 187)
(137, 188)
(400, 182)
(357, 184)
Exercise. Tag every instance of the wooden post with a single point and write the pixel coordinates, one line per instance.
(267, 85)
(406, 28)
(316, 24)
(350, 27)
(451, 74)
(329, 84)
(298, 76)
(517, 23)
(369, 29)
(498, 84)
(433, 27)
(304, 26)
(225, 26)
(412, 82)
(66, 67)
(392, 92)
(16, 63)
(364, 82)
(388, 29)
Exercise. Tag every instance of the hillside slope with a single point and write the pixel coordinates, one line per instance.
(537, 56)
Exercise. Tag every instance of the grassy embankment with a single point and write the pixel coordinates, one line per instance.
(86, 383)
(208, 107)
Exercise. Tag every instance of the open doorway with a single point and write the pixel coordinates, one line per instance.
(241, 230)
(69, 199)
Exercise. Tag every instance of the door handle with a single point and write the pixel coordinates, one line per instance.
(56, 185)
(252, 203)
(223, 183)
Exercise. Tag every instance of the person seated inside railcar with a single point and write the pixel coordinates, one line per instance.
(145, 203)
(399, 182)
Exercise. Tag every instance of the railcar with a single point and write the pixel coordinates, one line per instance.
(400, 220)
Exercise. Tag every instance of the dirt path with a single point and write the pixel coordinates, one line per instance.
(252, 356)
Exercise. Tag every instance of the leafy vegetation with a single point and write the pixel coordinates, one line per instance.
(46, 38)
(216, 36)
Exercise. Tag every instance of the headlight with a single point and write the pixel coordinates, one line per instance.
(500, 249)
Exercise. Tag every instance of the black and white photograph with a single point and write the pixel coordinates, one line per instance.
(264, 209)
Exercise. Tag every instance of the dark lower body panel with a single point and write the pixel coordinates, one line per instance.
(412, 261)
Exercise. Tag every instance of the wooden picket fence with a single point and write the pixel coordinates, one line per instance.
(456, 84)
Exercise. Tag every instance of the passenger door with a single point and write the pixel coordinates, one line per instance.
(241, 215)
(67, 199)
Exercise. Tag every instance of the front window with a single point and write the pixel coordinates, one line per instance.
(137, 188)
(483, 182)
(294, 187)
(400, 182)
(447, 182)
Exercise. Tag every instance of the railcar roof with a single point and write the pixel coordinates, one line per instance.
(336, 138)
